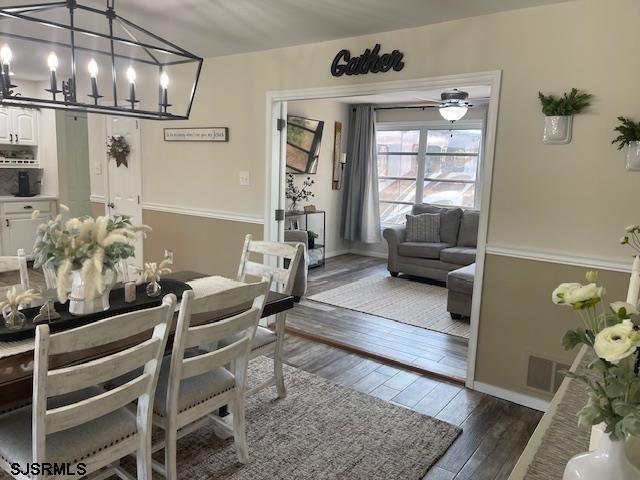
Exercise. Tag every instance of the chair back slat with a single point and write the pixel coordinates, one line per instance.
(227, 299)
(16, 263)
(214, 332)
(209, 361)
(282, 253)
(77, 377)
(72, 415)
(105, 331)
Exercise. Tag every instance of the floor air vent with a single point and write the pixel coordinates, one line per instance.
(544, 374)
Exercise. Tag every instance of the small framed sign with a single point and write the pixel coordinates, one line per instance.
(209, 134)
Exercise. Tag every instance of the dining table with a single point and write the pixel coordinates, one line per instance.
(16, 370)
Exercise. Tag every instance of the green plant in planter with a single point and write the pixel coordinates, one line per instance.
(629, 132)
(312, 238)
(568, 104)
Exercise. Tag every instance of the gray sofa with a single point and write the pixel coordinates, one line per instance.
(456, 249)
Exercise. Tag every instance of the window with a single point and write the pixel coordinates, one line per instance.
(426, 164)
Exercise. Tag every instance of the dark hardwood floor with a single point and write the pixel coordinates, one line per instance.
(393, 342)
(494, 432)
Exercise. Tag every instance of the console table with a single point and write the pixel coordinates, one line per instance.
(317, 254)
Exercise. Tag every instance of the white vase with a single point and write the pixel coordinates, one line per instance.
(633, 156)
(609, 462)
(557, 129)
(78, 305)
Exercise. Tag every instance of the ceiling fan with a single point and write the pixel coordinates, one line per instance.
(453, 104)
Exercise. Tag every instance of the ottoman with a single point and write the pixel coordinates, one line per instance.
(460, 291)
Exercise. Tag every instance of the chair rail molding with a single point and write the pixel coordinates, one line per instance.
(204, 213)
(562, 258)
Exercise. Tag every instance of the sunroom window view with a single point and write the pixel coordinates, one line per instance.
(432, 165)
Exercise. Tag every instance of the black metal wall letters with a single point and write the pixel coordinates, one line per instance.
(369, 62)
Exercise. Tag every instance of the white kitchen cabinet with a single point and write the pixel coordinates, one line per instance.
(17, 228)
(18, 126)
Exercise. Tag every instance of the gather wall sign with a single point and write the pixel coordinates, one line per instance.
(369, 62)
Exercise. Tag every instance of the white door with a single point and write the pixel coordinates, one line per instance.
(20, 232)
(25, 126)
(274, 229)
(5, 125)
(124, 184)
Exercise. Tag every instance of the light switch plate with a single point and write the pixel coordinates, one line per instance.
(244, 178)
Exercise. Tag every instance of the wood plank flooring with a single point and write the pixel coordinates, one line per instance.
(393, 342)
(494, 432)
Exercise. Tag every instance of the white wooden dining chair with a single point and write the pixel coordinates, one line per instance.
(16, 263)
(266, 341)
(73, 420)
(194, 383)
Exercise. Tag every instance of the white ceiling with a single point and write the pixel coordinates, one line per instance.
(221, 27)
(415, 97)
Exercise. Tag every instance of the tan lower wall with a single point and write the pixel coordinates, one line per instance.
(518, 318)
(201, 244)
(97, 209)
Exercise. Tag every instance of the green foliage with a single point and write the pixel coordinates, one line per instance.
(568, 104)
(312, 235)
(573, 338)
(629, 132)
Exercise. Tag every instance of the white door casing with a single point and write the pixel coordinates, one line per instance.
(124, 184)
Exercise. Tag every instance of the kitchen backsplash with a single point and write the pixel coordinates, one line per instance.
(9, 180)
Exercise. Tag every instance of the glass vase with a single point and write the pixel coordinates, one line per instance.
(13, 319)
(153, 289)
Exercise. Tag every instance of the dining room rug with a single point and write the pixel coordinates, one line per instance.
(321, 430)
(405, 301)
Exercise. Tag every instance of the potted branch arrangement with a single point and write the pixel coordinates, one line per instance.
(559, 112)
(612, 333)
(629, 136)
(84, 254)
(312, 239)
(14, 319)
(151, 273)
(297, 194)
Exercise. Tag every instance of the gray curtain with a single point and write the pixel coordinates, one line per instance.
(360, 219)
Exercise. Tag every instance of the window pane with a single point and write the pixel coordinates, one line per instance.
(454, 141)
(299, 137)
(398, 166)
(393, 213)
(397, 140)
(449, 193)
(451, 168)
(397, 190)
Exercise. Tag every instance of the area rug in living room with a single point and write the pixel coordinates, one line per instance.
(321, 430)
(405, 301)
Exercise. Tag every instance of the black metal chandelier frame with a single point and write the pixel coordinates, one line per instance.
(69, 95)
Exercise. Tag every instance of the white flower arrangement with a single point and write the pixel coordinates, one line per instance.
(152, 271)
(15, 299)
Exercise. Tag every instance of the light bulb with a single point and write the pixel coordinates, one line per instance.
(164, 80)
(52, 61)
(131, 75)
(453, 113)
(6, 54)
(93, 68)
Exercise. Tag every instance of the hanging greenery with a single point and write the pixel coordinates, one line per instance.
(568, 104)
(118, 149)
(629, 132)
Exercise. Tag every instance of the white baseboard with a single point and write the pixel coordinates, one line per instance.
(511, 396)
(368, 253)
(336, 253)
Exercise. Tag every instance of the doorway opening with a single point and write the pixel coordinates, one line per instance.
(401, 311)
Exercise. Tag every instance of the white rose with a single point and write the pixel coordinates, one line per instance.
(630, 308)
(558, 295)
(583, 293)
(617, 342)
(632, 228)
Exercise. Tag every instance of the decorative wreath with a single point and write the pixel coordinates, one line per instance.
(119, 150)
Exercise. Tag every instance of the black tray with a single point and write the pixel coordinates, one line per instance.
(117, 307)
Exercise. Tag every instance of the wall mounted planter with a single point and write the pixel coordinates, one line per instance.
(633, 156)
(557, 129)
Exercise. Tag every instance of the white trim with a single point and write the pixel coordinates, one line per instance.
(96, 198)
(197, 212)
(433, 124)
(560, 258)
(336, 253)
(368, 253)
(491, 78)
(510, 395)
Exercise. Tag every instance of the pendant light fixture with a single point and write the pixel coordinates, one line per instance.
(454, 105)
(94, 63)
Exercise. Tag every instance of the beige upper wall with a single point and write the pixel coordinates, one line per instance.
(555, 198)
(325, 197)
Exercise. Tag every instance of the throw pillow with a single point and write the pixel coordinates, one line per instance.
(449, 220)
(423, 228)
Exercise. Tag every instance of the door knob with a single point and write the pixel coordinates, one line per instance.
(111, 205)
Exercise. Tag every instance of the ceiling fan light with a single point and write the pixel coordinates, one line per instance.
(452, 113)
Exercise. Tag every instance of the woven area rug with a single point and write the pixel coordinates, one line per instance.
(321, 430)
(404, 301)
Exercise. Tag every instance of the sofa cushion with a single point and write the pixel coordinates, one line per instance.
(468, 235)
(458, 255)
(423, 228)
(449, 220)
(461, 280)
(422, 249)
